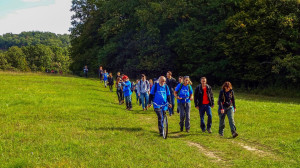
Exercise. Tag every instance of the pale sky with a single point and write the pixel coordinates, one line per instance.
(35, 15)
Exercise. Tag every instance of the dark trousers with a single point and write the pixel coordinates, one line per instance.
(160, 116)
(120, 95)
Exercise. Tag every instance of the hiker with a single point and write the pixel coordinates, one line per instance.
(100, 72)
(171, 82)
(138, 101)
(105, 75)
(204, 101)
(180, 80)
(227, 107)
(110, 80)
(85, 71)
(160, 96)
(122, 86)
(184, 95)
(151, 84)
(118, 75)
(143, 89)
(127, 92)
(119, 90)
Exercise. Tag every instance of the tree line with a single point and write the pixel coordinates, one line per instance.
(249, 42)
(34, 51)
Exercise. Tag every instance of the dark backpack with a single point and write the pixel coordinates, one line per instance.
(227, 104)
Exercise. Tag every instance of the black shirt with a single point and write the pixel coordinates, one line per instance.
(171, 83)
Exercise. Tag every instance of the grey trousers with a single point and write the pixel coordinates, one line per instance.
(184, 110)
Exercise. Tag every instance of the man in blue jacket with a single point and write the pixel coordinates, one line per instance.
(127, 92)
(161, 98)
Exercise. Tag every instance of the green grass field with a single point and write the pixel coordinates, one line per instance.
(54, 121)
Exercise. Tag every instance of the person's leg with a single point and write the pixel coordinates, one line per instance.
(209, 117)
(142, 97)
(137, 98)
(222, 122)
(130, 103)
(187, 116)
(172, 101)
(159, 117)
(119, 93)
(230, 115)
(126, 102)
(202, 112)
(170, 109)
(146, 99)
(181, 111)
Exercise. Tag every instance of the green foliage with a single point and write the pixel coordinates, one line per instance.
(33, 38)
(17, 58)
(248, 42)
(35, 51)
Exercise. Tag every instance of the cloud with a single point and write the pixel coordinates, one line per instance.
(54, 18)
(31, 0)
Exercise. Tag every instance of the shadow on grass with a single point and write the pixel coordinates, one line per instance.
(115, 129)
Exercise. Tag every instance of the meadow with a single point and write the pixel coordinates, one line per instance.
(67, 121)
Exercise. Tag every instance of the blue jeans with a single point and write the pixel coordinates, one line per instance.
(171, 110)
(128, 101)
(144, 97)
(137, 96)
(230, 114)
(202, 109)
(184, 109)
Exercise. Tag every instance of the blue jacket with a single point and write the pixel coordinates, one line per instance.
(127, 88)
(185, 93)
(161, 96)
(105, 76)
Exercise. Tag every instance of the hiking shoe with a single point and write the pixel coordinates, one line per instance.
(130, 109)
(187, 130)
(203, 130)
(181, 129)
(144, 109)
(221, 135)
(209, 131)
(234, 135)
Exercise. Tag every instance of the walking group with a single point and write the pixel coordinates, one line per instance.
(161, 93)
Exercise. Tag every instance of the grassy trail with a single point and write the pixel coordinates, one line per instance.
(54, 121)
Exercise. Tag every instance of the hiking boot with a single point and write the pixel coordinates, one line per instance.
(187, 130)
(209, 131)
(234, 135)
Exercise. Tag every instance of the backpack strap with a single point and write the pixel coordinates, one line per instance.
(179, 89)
